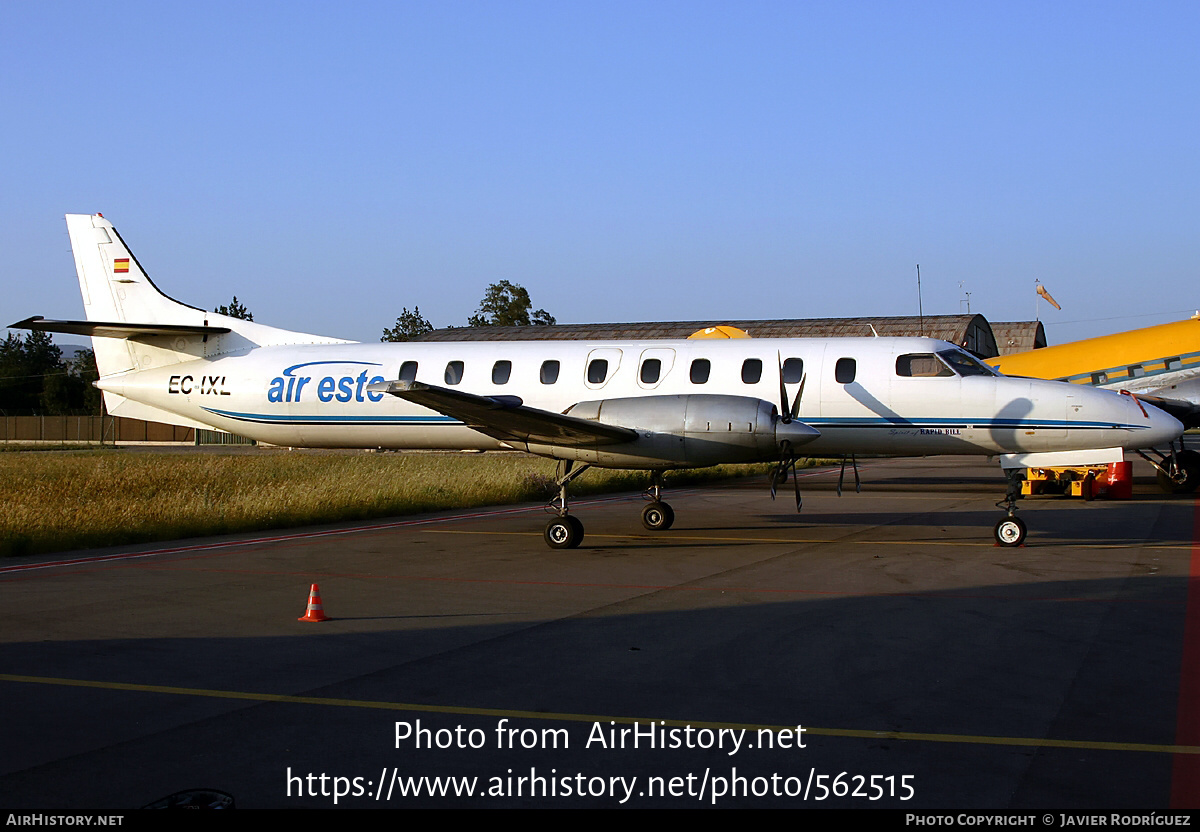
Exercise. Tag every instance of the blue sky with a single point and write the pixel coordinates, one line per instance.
(332, 163)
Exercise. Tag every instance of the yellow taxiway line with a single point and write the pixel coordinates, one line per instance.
(907, 736)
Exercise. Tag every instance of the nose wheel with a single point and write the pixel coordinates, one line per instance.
(1010, 531)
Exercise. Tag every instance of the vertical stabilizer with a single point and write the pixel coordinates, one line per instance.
(115, 288)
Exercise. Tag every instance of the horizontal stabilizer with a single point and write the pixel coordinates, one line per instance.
(506, 417)
(103, 329)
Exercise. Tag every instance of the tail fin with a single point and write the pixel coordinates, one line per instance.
(134, 326)
(115, 288)
(152, 329)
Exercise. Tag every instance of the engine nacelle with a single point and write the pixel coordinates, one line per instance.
(682, 431)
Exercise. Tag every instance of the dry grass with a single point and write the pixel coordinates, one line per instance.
(73, 500)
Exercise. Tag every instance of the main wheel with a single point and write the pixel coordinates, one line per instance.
(657, 516)
(1188, 476)
(564, 532)
(1010, 531)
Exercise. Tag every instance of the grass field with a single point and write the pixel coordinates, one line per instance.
(52, 502)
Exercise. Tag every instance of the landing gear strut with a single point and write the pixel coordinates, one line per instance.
(657, 516)
(1178, 471)
(787, 463)
(1010, 531)
(564, 531)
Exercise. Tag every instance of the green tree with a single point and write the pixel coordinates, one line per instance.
(235, 310)
(508, 304)
(409, 325)
(33, 376)
(83, 372)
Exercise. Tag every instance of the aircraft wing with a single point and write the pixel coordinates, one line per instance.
(506, 417)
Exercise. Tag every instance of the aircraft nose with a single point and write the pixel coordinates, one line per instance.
(1164, 428)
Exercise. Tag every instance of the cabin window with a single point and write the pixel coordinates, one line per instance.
(651, 370)
(1099, 378)
(1174, 363)
(921, 365)
(793, 370)
(964, 364)
(1136, 371)
(408, 371)
(454, 372)
(699, 371)
(751, 371)
(597, 371)
(844, 370)
(501, 370)
(549, 373)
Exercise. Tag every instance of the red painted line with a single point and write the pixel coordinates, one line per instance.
(933, 595)
(283, 538)
(1185, 773)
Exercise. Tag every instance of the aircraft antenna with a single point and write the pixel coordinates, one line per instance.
(920, 306)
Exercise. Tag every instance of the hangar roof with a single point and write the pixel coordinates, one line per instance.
(1019, 336)
(970, 331)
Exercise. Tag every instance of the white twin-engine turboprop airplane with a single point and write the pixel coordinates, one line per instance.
(653, 405)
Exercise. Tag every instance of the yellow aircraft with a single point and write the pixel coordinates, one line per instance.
(1158, 364)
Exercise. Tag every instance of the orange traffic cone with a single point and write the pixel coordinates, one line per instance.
(314, 611)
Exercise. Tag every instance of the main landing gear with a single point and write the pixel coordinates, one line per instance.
(1010, 531)
(565, 531)
(657, 516)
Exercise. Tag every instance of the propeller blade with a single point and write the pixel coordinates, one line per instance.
(795, 411)
(785, 413)
(779, 472)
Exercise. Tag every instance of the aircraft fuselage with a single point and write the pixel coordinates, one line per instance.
(855, 395)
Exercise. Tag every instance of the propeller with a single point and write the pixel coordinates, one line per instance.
(787, 453)
(788, 414)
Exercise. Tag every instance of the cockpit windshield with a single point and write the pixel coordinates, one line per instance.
(964, 364)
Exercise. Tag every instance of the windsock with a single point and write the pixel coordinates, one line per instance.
(1041, 290)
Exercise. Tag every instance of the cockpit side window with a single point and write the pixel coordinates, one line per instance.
(964, 364)
(921, 365)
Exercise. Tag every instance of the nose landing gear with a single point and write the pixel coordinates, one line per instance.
(1010, 531)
